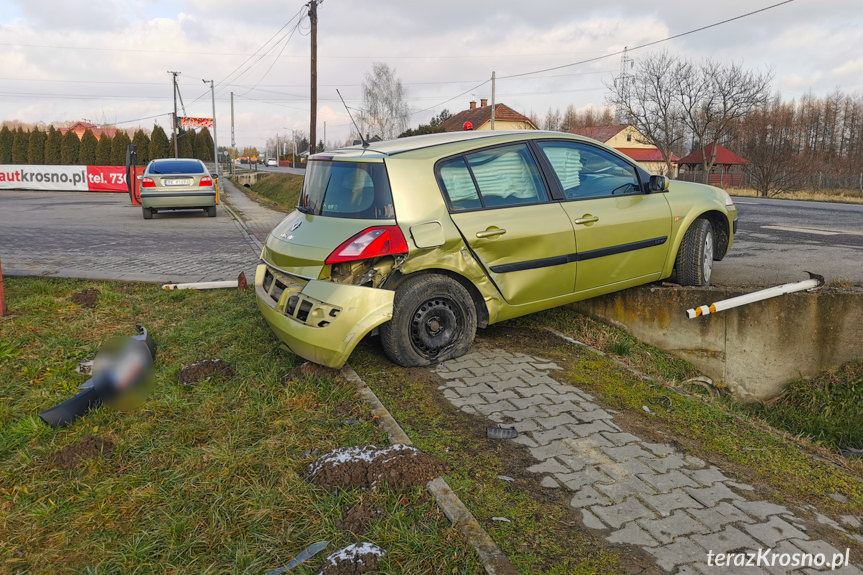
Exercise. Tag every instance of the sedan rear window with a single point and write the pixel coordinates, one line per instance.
(176, 167)
(347, 190)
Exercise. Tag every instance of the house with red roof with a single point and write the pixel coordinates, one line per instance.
(80, 127)
(479, 118)
(629, 141)
(727, 169)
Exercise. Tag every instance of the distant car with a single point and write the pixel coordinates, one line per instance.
(272, 162)
(427, 238)
(177, 184)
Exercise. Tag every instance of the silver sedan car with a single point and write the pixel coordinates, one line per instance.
(177, 184)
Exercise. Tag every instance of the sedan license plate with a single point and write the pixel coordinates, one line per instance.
(177, 182)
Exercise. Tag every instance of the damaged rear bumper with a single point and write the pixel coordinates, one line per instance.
(319, 320)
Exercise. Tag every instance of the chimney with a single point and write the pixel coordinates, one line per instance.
(473, 105)
(483, 102)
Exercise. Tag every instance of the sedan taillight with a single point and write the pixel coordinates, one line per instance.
(373, 242)
(148, 183)
(206, 181)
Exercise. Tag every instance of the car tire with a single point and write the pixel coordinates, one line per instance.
(434, 319)
(148, 213)
(695, 257)
(211, 211)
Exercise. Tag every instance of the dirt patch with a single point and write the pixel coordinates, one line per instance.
(353, 560)
(204, 370)
(86, 298)
(310, 370)
(399, 466)
(88, 448)
(358, 518)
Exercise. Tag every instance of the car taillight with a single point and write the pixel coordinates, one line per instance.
(148, 183)
(206, 181)
(370, 243)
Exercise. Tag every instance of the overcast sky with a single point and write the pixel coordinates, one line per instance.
(107, 61)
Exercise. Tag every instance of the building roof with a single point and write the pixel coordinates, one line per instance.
(600, 133)
(724, 156)
(646, 154)
(80, 127)
(479, 115)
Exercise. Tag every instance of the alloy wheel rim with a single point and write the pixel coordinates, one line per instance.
(707, 262)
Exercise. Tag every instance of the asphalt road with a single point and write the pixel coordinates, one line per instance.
(778, 240)
(101, 236)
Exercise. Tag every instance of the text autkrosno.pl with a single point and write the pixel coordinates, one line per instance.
(769, 558)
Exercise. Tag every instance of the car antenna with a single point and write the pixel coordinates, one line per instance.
(363, 140)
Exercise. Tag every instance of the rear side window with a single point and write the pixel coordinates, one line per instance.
(175, 167)
(347, 190)
(493, 178)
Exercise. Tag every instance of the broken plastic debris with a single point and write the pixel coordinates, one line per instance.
(501, 432)
(503, 519)
(505, 478)
(646, 409)
(85, 367)
(304, 555)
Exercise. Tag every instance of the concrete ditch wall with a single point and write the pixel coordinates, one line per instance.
(754, 350)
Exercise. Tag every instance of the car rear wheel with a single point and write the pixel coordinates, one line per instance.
(148, 213)
(695, 256)
(434, 319)
(211, 211)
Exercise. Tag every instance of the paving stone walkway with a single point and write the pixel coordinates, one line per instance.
(673, 506)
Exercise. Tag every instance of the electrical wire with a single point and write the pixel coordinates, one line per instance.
(648, 44)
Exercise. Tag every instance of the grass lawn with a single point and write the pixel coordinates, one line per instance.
(209, 477)
(277, 191)
(204, 478)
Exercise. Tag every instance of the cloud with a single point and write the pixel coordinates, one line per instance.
(109, 58)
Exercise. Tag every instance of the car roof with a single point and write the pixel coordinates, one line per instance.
(449, 142)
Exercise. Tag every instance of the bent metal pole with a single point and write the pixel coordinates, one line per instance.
(814, 281)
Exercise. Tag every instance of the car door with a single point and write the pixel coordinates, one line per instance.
(500, 204)
(621, 230)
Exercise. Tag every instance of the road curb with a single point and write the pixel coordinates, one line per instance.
(493, 559)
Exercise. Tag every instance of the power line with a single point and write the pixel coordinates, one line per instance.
(619, 52)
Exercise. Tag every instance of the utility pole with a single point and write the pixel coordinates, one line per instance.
(313, 18)
(215, 139)
(174, 131)
(492, 100)
(233, 142)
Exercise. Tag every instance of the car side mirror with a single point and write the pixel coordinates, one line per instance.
(659, 184)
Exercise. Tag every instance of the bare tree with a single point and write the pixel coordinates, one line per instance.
(714, 97)
(552, 120)
(766, 139)
(649, 100)
(385, 111)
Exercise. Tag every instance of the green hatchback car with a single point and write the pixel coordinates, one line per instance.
(425, 239)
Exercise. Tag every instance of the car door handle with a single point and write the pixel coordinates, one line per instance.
(491, 232)
(586, 219)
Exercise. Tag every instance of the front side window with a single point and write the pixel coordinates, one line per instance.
(587, 172)
(347, 190)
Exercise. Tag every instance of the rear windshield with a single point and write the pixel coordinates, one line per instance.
(175, 167)
(347, 190)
